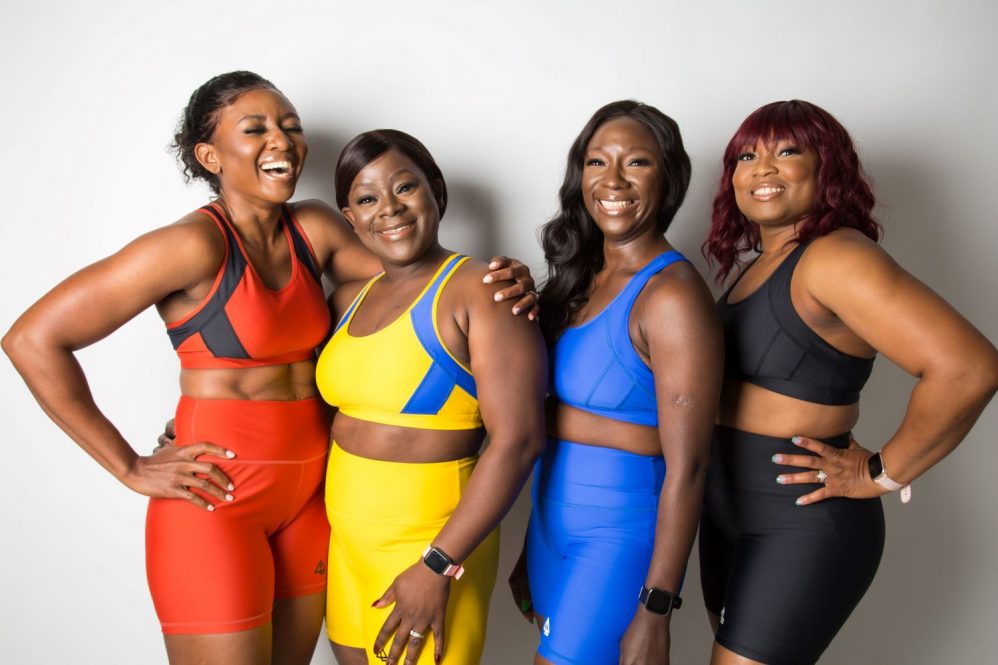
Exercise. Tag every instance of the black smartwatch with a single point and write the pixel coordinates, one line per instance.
(658, 601)
(437, 561)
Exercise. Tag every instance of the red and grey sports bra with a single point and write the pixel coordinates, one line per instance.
(241, 322)
(766, 343)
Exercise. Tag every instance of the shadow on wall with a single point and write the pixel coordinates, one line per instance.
(316, 181)
(471, 221)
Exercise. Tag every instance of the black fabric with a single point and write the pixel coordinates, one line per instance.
(784, 578)
(301, 246)
(767, 344)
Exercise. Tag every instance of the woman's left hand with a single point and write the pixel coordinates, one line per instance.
(506, 269)
(420, 598)
(646, 640)
(843, 471)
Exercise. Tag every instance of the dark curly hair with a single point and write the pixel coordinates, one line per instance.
(843, 196)
(200, 118)
(573, 244)
(367, 147)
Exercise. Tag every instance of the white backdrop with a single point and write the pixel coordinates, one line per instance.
(497, 91)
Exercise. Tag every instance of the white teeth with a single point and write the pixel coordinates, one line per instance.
(615, 205)
(396, 229)
(270, 166)
(767, 190)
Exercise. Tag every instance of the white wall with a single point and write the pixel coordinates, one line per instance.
(91, 94)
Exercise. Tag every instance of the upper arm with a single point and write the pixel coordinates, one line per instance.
(508, 360)
(101, 297)
(340, 253)
(887, 307)
(686, 354)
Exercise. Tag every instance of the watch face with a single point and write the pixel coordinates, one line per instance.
(875, 465)
(658, 601)
(437, 561)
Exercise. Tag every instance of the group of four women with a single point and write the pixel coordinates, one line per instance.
(663, 413)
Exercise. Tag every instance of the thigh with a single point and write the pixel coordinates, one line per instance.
(301, 546)
(296, 625)
(792, 587)
(594, 597)
(715, 552)
(247, 647)
(209, 572)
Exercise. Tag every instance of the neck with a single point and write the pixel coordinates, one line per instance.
(254, 219)
(425, 264)
(633, 253)
(774, 241)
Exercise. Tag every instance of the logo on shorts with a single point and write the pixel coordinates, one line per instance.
(547, 627)
(722, 615)
(320, 568)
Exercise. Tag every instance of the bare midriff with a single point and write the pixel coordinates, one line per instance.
(750, 408)
(392, 443)
(572, 424)
(283, 383)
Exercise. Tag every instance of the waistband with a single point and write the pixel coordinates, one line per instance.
(598, 476)
(394, 492)
(256, 430)
(743, 460)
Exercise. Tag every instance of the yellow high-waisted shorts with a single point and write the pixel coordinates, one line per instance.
(383, 515)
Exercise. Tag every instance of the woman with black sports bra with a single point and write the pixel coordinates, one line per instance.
(783, 566)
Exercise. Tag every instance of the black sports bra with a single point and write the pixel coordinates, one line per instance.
(766, 343)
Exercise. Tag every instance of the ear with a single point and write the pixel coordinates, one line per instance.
(348, 214)
(438, 192)
(206, 156)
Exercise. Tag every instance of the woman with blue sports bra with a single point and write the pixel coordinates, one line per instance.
(636, 357)
(418, 369)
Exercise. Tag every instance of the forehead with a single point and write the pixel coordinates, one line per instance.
(623, 133)
(385, 166)
(260, 101)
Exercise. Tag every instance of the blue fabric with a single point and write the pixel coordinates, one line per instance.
(589, 544)
(595, 367)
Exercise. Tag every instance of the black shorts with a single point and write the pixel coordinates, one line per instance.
(783, 578)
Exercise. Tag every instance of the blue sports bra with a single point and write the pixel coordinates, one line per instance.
(594, 366)
(766, 343)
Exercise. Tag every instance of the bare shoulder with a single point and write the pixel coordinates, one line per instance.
(467, 281)
(193, 244)
(678, 291)
(319, 216)
(844, 254)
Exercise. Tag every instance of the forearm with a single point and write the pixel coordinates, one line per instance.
(940, 413)
(491, 491)
(57, 382)
(676, 527)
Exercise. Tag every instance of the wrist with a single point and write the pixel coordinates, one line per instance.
(659, 602)
(877, 470)
(438, 562)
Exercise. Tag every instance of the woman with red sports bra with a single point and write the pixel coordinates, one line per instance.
(236, 534)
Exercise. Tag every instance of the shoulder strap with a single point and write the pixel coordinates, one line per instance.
(348, 315)
(302, 249)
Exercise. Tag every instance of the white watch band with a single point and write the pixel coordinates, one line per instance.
(892, 485)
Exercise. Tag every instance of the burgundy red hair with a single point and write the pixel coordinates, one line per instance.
(844, 197)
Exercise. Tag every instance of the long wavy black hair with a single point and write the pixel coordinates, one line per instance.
(573, 244)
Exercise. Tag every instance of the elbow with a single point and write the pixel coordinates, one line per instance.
(20, 345)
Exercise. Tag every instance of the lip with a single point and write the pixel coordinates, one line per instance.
(397, 231)
(615, 206)
(767, 191)
(285, 172)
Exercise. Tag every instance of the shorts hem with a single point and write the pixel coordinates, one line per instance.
(212, 627)
(348, 642)
(298, 592)
(762, 657)
(556, 658)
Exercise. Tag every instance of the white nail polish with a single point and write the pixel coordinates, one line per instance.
(229, 454)
(211, 508)
(228, 497)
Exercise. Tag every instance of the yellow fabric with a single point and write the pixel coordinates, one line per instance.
(373, 377)
(383, 515)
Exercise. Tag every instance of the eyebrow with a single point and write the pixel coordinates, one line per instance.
(261, 118)
(365, 183)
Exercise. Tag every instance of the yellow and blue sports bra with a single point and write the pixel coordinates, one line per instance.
(402, 374)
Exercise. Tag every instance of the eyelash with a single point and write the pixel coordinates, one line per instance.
(790, 150)
(294, 129)
(634, 162)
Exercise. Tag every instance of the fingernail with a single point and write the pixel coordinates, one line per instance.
(781, 479)
(777, 458)
(494, 265)
(498, 297)
(801, 501)
(229, 497)
(516, 310)
(229, 454)
(231, 487)
(795, 440)
(211, 508)
(487, 279)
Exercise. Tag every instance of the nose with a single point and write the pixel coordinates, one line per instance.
(765, 164)
(613, 178)
(278, 139)
(391, 206)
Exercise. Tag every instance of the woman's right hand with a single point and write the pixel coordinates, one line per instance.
(519, 586)
(173, 472)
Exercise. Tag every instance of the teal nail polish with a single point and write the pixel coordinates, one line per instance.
(777, 458)
(800, 501)
(780, 480)
(795, 440)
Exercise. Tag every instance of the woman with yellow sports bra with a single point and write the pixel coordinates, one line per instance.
(417, 369)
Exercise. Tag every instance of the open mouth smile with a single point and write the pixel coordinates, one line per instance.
(280, 170)
(767, 192)
(616, 205)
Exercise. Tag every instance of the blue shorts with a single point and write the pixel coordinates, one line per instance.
(589, 544)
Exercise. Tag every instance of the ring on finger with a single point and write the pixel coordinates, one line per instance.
(822, 476)
(416, 634)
